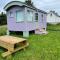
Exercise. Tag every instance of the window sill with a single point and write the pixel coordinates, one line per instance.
(11, 17)
(20, 22)
(29, 21)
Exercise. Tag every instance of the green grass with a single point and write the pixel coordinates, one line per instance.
(3, 30)
(42, 47)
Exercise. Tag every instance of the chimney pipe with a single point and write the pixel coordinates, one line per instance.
(28, 1)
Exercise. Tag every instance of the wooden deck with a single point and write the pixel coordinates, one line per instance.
(12, 44)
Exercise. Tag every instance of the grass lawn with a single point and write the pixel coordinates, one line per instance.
(42, 47)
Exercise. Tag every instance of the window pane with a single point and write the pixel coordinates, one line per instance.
(30, 16)
(36, 17)
(19, 16)
(42, 17)
(51, 14)
(11, 14)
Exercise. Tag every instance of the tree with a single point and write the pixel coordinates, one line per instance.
(3, 19)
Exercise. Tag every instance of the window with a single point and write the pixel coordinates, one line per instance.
(36, 17)
(51, 14)
(29, 15)
(19, 16)
(11, 14)
(42, 17)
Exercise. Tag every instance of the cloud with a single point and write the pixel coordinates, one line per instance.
(48, 5)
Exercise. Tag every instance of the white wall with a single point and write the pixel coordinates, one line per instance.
(53, 19)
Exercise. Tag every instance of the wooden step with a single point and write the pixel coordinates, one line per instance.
(41, 31)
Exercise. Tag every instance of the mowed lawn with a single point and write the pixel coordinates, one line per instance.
(42, 47)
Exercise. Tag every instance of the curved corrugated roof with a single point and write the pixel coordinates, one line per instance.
(19, 3)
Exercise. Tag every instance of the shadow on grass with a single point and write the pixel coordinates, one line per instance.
(20, 33)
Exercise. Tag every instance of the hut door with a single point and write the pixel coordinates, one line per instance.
(36, 19)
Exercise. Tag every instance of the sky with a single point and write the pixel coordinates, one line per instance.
(45, 5)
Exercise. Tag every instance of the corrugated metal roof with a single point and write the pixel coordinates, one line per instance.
(27, 5)
(55, 13)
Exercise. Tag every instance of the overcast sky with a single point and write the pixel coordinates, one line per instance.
(45, 5)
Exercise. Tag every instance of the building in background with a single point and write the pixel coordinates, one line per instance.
(53, 17)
